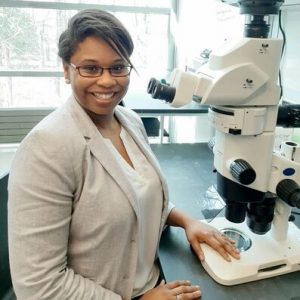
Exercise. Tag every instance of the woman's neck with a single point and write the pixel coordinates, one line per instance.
(108, 125)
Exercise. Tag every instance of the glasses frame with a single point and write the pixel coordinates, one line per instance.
(77, 68)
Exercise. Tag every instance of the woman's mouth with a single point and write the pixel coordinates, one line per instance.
(103, 96)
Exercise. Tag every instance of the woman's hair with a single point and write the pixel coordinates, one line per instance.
(96, 23)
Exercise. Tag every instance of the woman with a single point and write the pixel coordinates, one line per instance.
(87, 199)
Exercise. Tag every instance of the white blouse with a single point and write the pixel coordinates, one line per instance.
(148, 187)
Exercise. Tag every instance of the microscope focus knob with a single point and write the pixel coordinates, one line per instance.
(242, 171)
(289, 191)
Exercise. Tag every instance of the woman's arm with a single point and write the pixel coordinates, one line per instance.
(41, 191)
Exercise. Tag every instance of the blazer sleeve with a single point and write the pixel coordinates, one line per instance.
(42, 184)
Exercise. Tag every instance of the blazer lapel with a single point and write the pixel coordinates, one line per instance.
(101, 151)
(138, 137)
(103, 154)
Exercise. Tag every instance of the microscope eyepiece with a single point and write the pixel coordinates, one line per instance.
(151, 85)
(164, 92)
(160, 90)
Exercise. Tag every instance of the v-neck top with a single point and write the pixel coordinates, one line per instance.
(147, 186)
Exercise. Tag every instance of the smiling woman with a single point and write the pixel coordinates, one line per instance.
(86, 189)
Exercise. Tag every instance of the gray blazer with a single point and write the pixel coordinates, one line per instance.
(72, 212)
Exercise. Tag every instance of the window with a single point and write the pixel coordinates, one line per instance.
(30, 70)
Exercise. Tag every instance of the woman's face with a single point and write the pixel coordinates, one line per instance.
(97, 95)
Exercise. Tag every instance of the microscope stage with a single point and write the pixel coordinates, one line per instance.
(265, 258)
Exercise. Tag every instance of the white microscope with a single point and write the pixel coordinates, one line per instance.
(239, 83)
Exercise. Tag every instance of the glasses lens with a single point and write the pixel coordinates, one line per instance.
(120, 70)
(90, 71)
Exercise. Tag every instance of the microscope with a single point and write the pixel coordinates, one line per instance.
(259, 185)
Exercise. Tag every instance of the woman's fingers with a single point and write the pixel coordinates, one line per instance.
(227, 245)
(198, 250)
(177, 283)
(184, 289)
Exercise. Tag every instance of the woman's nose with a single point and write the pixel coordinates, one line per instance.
(106, 79)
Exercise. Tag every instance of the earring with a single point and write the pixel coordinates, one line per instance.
(67, 81)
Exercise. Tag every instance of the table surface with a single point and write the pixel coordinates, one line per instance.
(188, 192)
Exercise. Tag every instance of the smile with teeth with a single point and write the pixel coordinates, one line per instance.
(103, 96)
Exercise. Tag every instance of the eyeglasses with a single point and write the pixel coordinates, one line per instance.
(93, 71)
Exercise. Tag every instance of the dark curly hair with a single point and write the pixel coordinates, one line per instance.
(98, 23)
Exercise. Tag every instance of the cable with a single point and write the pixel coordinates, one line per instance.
(283, 33)
(282, 51)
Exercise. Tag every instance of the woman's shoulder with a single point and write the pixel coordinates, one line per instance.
(54, 125)
(54, 133)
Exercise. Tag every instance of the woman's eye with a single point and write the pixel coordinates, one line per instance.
(91, 69)
(118, 68)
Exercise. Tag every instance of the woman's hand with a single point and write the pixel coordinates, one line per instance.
(175, 290)
(198, 232)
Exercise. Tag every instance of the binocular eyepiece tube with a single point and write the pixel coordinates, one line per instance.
(160, 90)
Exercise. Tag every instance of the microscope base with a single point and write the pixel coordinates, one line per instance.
(266, 257)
